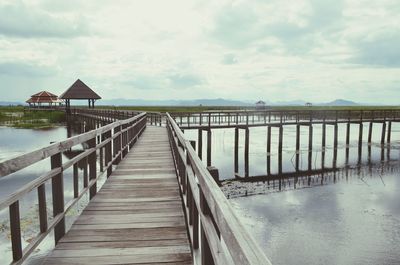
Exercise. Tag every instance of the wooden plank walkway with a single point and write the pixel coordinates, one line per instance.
(136, 217)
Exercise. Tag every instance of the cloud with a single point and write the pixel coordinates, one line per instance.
(378, 49)
(184, 80)
(229, 59)
(20, 20)
(25, 69)
(164, 81)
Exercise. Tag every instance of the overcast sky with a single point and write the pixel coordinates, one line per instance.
(278, 50)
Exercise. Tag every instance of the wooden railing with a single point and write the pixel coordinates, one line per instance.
(234, 118)
(113, 142)
(216, 234)
(109, 115)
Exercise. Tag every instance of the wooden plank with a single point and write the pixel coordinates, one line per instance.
(136, 217)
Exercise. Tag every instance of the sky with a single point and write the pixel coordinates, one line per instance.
(275, 50)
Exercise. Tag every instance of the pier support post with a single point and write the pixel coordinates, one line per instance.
(389, 132)
(297, 146)
(246, 152)
(280, 149)
(370, 133)
(200, 143)
(323, 137)
(348, 135)
(269, 150)
(310, 146)
(383, 133)
(209, 147)
(236, 150)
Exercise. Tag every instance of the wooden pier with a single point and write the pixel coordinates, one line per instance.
(137, 215)
(160, 205)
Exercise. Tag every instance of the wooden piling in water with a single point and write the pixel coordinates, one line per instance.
(280, 149)
(310, 146)
(246, 152)
(389, 132)
(297, 146)
(323, 136)
(200, 143)
(236, 150)
(383, 133)
(370, 133)
(348, 135)
(209, 147)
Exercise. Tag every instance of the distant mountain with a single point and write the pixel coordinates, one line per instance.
(214, 102)
(195, 102)
(10, 103)
(340, 102)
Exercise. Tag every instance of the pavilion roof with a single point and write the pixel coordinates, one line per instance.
(43, 97)
(79, 90)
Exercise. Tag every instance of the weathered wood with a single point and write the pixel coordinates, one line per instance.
(370, 133)
(57, 184)
(236, 151)
(246, 152)
(42, 208)
(240, 245)
(136, 217)
(383, 133)
(209, 142)
(200, 143)
(15, 230)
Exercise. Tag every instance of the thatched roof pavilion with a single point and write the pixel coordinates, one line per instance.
(79, 90)
(43, 97)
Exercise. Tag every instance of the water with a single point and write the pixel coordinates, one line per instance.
(15, 142)
(341, 212)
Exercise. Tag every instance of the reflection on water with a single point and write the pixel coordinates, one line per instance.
(336, 211)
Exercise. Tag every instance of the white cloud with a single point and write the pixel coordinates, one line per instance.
(274, 50)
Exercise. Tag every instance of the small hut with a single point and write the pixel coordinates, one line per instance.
(79, 91)
(308, 104)
(260, 105)
(43, 97)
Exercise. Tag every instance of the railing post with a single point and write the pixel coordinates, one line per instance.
(15, 229)
(92, 168)
(206, 256)
(57, 183)
(42, 208)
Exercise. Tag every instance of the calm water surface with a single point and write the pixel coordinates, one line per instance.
(15, 142)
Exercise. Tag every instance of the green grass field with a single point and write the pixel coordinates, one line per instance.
(18, 117)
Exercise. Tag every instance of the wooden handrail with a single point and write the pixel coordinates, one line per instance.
(115, 141)
(210, 218)
(228, 119)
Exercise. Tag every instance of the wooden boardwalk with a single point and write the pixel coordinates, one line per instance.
(136, 217)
